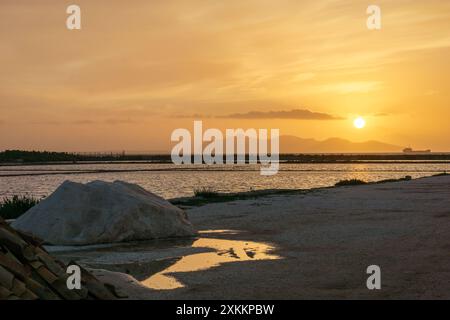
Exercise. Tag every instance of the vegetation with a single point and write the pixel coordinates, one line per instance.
(12, 208)
(20, 156)
(350, 182)
(206, 192)
(34, 156)
(406, 178)
(226, 197)
(357, 182)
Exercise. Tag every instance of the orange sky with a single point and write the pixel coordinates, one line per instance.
(139, 69)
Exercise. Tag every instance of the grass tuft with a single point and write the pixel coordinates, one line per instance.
(12, 208)
(441, 174)
(406, 178)
(350, 182)
(206, 192)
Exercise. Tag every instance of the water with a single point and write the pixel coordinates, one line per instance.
(170, 181)
(155, 264)
(224, 251)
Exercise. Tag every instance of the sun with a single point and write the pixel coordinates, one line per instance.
(359, 123)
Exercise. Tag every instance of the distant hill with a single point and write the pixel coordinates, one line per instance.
(293, 144)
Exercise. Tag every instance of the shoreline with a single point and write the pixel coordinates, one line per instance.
(255, 194)
(288, 158)
(412, 161)
(99, 171)
(211, 196)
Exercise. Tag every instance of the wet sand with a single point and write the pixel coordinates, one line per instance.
(320, 244)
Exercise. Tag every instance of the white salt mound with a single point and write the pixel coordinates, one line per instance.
(103, 212)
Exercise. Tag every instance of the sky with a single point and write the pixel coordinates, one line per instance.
(139, 69)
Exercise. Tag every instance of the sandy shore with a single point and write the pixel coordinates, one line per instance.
(325, 240)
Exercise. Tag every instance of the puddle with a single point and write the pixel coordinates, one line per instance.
(154, 262)
(222, 232)
(225, 251)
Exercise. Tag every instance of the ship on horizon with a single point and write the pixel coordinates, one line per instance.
(411, 151)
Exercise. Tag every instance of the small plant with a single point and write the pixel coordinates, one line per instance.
(441, 174)
(350, 182)
(12, 208)
(406, 178)
(206, 192)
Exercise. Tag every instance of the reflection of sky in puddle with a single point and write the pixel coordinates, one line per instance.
(225, 231)
(224, 251)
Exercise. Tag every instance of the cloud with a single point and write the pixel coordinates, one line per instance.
(348, 87)
(119, 121)
(109, 121)
(298, 114)
(381, 114)
(44, 122)
(82, 122)
(192, 116)
(431, 92)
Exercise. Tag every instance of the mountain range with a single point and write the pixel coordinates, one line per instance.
(293, 144)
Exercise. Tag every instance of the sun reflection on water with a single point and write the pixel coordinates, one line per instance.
(224, 251)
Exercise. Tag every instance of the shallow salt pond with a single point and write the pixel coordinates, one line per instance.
(225, 251)
(155, 263)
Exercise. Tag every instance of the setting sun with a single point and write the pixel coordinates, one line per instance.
(359, 123)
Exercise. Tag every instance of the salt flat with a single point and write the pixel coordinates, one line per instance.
(326, 239)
